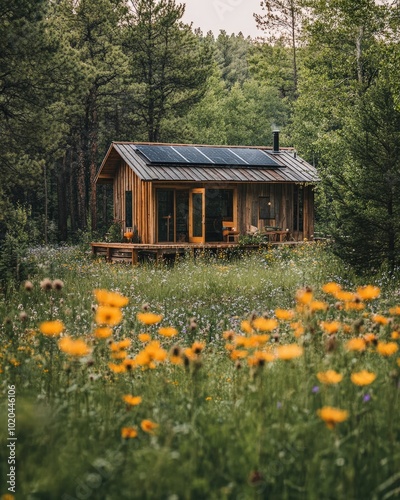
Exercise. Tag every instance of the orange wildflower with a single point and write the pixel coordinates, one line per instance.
(117, 368)
(304, 296)
(128, 432)
(330, 327)
(132, 400)
(289, 351)
(331, 288)
(298, 329)
(51, 328)
(368, 292)
(264, 324)
(74, 347)
(259, 358)
(168, 331)
(395, 311)
(107, 315)
(228, 335)
(144, 337)
(197, 347)
(381, 320)
(148, 318)
(103, 332)
(112, 299)
(148, 426)
(387, 348)
(363, 377)
(330, 377)
(345, 296)
(238, 354)
(246, 327)
(395, 335)
(356, 344)
(318, 305)
(284, 314)
(332, 416)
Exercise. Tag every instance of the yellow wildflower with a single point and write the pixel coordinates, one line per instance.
(298, 329)
(128, 432)
(117, 368)
(330, 377)
(119, 355)
(144, 337)
(332, 416)
(331, 288)
(363, 377)
(148, 318)
(330, 327)
(168, 331)
(381, 320)
(197, 347)
(103, 332)
(346, 296)
(246, 327)
(74, 347)
(395, 311)
(148, 426)
(132, 400)
(264, 324)
(356, 344)
(318, 305)
(368, 292)
(238, 354)
(304, 296)
(51, 328)
(107, 315)
(289, 351)
(387, 348)
(395, 335)
(284, 314)
(112, 299)
(259, 358)
(228, 335)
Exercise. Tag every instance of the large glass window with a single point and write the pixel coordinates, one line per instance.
(219, 208)
(165, 215)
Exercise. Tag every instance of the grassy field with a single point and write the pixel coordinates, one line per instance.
(273, 376)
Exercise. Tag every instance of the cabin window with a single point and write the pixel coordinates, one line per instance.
(166, 215)
(265, 208)
(128, 209)
(298, 204)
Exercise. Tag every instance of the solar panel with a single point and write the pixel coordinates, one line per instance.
(161, 154)
(206, 155)
(256, 157)
(193, 155)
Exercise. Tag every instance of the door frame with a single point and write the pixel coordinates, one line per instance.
(202, 238)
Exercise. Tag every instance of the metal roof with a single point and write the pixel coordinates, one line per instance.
(289, 167)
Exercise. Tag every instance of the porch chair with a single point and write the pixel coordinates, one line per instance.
(229, 232)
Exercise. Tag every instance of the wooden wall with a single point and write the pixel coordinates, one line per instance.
(280, 194)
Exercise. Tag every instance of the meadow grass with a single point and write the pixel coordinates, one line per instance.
(227, 411)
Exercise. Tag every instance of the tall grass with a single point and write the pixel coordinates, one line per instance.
(225, 429)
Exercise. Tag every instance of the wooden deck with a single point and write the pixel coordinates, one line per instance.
(130, 252)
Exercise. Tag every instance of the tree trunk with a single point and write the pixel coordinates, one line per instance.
(62, 200)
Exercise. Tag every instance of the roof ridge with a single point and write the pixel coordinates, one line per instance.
(146, 143)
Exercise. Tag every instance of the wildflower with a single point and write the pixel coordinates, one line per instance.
(370, 338)
(144, 337)
(51, 328)
(331, 288)
(318, 305)
(298, 329)
(148, 426)
(28, 285)
(259, 358)
(132, 400)
(394, 335)
(332, 416)
(304, 296)
(58, 285)
(264, 324)
(129, 363)
(124, 344)
(345, 296)
(238, 354)
(330, 327)
(228, 335)
(368, 292)
(168, 331)
(148, 318)
(107, 315)
(387, 348)
(46, 284)
(356, 344)
(117, 368)
(379, 319)
(366, 398)
(354, 305)
(284, 314)
(197, 347)
(289, 351)
(329, 377)
(363, 377)
(315, 389)
(128, 432)
(175, 355)
(119, 355)
(395, 311)
(112, 299)
(74, 347)
(245, 326)
(208, 398)
(103, 332)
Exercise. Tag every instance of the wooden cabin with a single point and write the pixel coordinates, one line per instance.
(173, 193)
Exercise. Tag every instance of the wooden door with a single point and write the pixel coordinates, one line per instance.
(197, 215)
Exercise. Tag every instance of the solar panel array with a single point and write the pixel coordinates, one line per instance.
(206, 155)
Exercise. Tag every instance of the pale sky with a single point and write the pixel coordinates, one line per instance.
(231, 15)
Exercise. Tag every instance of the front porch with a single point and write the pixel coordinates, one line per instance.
(130, 252)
